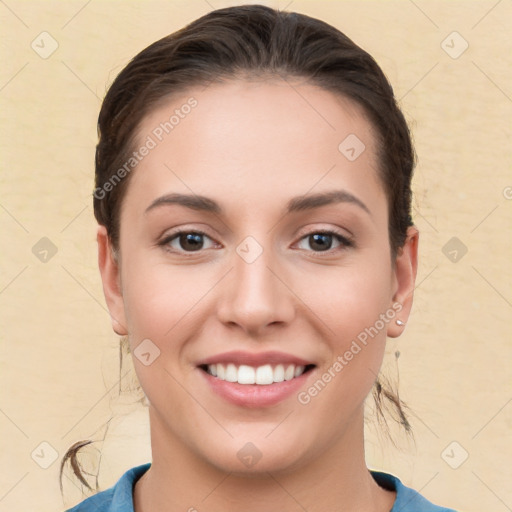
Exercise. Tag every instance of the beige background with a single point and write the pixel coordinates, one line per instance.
(59, 357)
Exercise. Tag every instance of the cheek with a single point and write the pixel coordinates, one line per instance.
(156, 295)
(351, 309)
(354, 307)
(348, 300)
(159, 305)
(167, 304)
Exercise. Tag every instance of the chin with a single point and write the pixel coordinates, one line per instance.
(256, 458)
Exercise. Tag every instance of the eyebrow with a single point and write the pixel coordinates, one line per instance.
(296, 204)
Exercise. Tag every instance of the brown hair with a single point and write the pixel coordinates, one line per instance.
(242, 42)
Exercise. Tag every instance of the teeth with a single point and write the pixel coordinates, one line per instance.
(299, 370)
(279, 373)
(231, 373)
(289, 373)
(262, 375)
(246, 375)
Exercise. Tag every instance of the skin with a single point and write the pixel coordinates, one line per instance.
(252, 146)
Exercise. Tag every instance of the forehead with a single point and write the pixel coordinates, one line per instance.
(265, 140)
(264, 106)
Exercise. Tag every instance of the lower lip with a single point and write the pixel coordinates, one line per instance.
(255, 395)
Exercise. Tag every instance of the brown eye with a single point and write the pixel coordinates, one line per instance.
(185, 241)
(322, 241)
(191, 241)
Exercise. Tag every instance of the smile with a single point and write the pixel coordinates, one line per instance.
(262, 375)
(255, 379)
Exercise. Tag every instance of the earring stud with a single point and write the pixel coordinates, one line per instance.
(400, 323)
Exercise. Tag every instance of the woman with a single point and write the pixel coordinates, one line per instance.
(256, 246)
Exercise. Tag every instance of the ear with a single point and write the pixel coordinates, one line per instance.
(405, 270)
(110, 276)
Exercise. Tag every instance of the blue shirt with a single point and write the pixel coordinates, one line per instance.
(119, 498)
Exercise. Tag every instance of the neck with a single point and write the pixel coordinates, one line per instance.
(337, 479)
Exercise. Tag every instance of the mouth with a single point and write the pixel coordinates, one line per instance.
(263, 375)
(255, 380)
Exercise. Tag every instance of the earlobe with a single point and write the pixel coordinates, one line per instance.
(109, 270)
(406, 267)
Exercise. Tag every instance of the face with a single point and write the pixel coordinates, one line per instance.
(277, 264)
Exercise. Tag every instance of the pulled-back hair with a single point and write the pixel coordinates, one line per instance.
(257, 41)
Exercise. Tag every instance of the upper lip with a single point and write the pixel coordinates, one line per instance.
(238, 357)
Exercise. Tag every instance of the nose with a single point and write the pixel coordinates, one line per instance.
(255, 296)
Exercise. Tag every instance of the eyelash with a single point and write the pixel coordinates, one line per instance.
(345, 242)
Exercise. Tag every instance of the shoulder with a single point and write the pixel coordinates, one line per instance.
(118, 498)
(407, 499)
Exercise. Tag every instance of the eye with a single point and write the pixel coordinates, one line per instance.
(184, 241)
(188, 242)
(323, 240)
